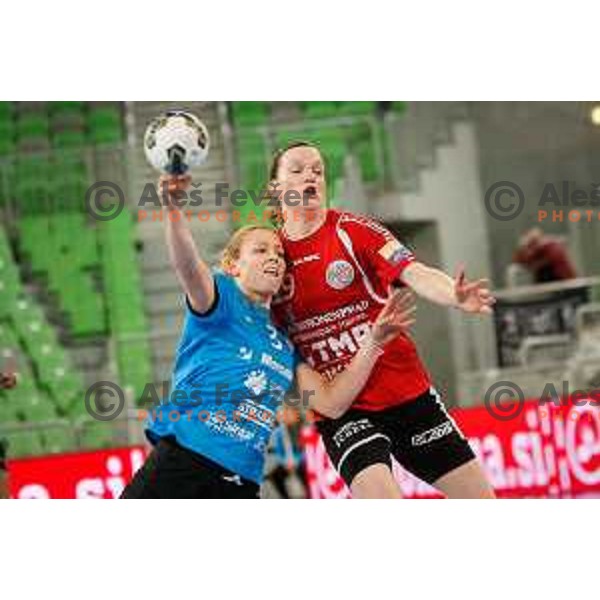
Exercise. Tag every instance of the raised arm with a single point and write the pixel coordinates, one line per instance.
(333, 398)
(193, 273)
(436, 286)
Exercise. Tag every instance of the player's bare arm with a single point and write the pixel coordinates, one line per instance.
(436, 286)
(193, 273)
(333, 398)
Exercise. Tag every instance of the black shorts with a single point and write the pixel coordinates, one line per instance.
(175, 472)
(420, 435)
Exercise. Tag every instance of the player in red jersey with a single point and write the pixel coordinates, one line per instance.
(341, 267)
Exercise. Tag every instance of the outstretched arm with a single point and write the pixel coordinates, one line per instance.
(193, 273)
(436, 286)
(333, 398)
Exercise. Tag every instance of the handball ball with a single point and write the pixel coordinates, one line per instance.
(176, 142)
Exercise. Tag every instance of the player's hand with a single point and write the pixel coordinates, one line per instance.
(7, 381)
(174, 188)
(396, 317)
(472, 296)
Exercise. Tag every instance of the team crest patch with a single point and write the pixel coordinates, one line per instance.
(394, 252)
(340, 274)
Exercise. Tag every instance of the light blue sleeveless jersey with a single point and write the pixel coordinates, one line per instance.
(231, 371)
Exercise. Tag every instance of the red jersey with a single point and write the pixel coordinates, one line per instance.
(548, 259)
(336, 285)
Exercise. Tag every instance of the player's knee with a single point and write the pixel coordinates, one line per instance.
(376, 481)
(466, 481)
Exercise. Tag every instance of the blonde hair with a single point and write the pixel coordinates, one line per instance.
(233, 249)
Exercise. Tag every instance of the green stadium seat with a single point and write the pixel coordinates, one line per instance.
(104, 117)
(36, 408)
(32, 127)
(251, 145)
(107, 135)
(98, 435)
(135, 365)
(70, 183)
(7, 335)
(24, 444)
(7, 138)
(67, 113)
(62, 247)
(363, 140)
(58, 440)
(124, 300)
(253, 174)
(70, 164)
(6, 110)
(7, 145)
(75, 409)
(368, 162)
(320, 110)
(399, 106)
(26, 398)
(85, 307)
(65, 387)
(68, 139)
(10, 285)
(8, 413)
(61, 383)
(9, 290)
(251, 114)
(33, 197)
(357, 108)
(48, 383)
(65, 106)
(33, 228)
(38, 337)
(5, 251)
(68, 227)
(35, 233)
(105, 125)
(50, 358)
(33, 186)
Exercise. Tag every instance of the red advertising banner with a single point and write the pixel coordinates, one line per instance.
(96, 474)
(548, 450)
(545, 451)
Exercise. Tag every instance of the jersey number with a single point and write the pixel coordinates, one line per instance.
(275, 341)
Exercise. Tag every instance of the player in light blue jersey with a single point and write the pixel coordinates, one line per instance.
(233, 367)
